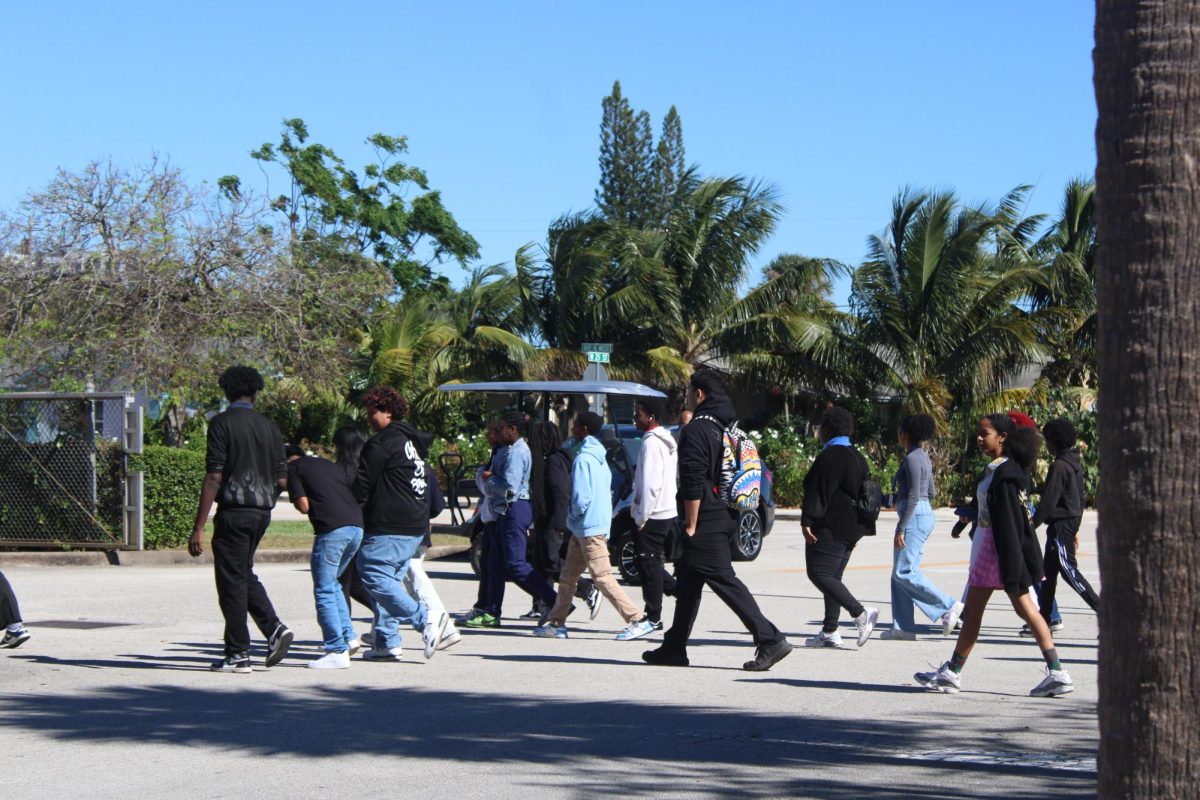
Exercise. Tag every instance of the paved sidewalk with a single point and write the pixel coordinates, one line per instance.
(112, 697)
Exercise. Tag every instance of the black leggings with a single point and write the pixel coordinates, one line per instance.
(826, 561)
(1060, 560)
(10, 612)
(649, 543)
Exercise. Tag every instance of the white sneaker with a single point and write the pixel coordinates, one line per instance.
(823, 639)
(950, 618)
(1055, 627)
(636, 630)
(381, 654)
(433, 634)
(332, 661)
(897, 635)
(353, 646)
(865, 622)
(450, 638)
(944, 680)
(1056, 682)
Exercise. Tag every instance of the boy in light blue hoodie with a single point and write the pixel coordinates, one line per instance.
(588, 519)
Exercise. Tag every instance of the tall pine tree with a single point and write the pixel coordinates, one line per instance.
(669, 165)
(626, 192)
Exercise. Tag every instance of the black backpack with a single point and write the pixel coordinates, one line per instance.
(869, 501)
(870, 496)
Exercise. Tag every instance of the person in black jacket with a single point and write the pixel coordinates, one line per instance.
(708, 525)
(832, 526)
(1005, 555)
(1061, 508)
(245, 472)
(393, 485)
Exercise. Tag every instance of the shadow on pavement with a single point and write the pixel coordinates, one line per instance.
(595, 748)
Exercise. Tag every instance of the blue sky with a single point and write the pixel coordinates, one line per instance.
(838, 104)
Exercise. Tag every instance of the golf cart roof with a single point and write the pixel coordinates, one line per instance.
(556, 387)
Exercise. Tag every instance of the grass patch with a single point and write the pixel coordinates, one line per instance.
(296, 534)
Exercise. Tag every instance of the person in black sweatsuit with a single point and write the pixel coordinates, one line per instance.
(1061, 508)
(708, 525)
(832, 527)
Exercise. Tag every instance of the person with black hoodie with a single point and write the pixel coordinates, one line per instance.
(392, 486)
(708, 525)
(832, 526)
(1061, 508)
(550, 495)
(1006, 555)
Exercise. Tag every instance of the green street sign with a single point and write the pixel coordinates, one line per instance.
(596, 347)
(594, 357)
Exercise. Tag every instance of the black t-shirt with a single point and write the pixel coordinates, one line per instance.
(247, 449)
(331, 503)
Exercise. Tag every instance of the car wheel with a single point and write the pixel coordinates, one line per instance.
(627, 563)
(748, 539)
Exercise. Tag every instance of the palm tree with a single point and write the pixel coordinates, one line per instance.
(1066, 255)
(937, 320)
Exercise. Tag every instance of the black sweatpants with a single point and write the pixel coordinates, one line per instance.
(825, 561)
(649, 543)
(236, 535)
(1060, 559)
(707, 562)
(10, 612)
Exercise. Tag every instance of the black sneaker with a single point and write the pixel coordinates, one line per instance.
(14, 638)
(767, 656)
(278, 644)
(593, 602)
(238, 662)
(657, 623)
(662, 657)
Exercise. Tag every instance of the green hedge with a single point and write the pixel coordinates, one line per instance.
(173, 477)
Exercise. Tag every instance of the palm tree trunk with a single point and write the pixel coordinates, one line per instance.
(1147, 76)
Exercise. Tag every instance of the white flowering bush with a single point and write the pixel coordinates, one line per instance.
(788, 454)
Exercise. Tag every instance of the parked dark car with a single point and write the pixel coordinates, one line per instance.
(624, 442)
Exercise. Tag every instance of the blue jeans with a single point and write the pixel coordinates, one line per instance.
(506, 560)
(382, 564)
(331, 554)
(909, 585)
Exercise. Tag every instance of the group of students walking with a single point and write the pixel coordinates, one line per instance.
(371, 509)
(370, 513)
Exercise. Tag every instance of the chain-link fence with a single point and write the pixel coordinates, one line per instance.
(64, 479)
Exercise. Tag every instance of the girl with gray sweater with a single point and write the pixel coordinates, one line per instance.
(914, 489)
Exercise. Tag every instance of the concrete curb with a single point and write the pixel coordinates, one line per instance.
(162, 558)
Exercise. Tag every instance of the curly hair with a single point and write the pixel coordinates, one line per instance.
(918, 428)
(388, 400)
(1060, 434)
(836, 421)
(1023, 446)
(238, 382)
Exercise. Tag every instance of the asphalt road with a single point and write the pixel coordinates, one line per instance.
(112, 697)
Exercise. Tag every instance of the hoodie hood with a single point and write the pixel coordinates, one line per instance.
(1071, 457)
(663, 435)
(720, 407)
(421, 439)
(591, 446)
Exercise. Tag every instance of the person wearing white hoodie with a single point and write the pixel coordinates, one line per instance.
(655, 509)
(589, 517)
